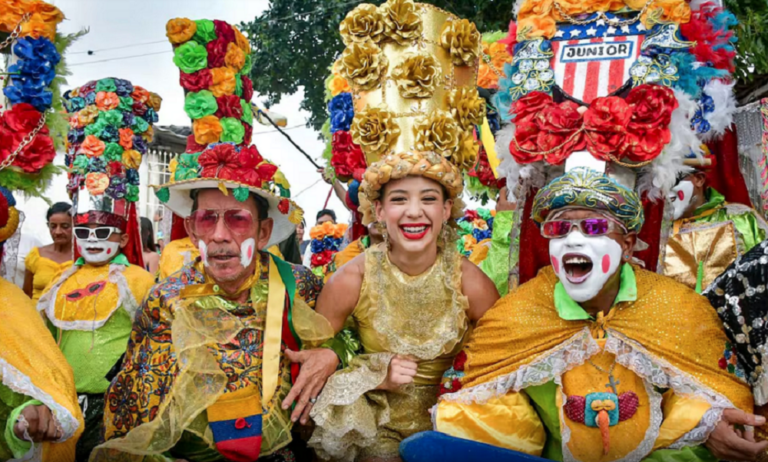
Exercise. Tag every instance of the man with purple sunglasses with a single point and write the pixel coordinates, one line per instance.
(595, 359)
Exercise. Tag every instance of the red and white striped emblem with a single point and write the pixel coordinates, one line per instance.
(592, 68)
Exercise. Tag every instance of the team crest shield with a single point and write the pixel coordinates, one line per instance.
(593, 59)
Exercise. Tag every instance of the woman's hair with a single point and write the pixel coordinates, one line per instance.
(58, 207)
(147, 235)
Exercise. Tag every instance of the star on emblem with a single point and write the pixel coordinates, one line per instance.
(575, 33)
(600, 22)
(611, 30)
(559, 34)
(641, 27)
(591, 31)
(625, 29)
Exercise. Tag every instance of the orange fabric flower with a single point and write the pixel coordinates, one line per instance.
(126, 138)
(140, 94)
(131, 159)
(87, 115)
(148, 134)
(223, 81)
(241, 41)
(47, 12)
(37, 27)
(339, 85)
(235, 58)
(154, 101)
(106, 101)
(486, 78)
(207, 129)
(92, 146)
(180, 30)
(96, 183)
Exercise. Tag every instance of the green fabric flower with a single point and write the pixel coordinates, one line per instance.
(190, 57)
(163, 194)
(238, 85)
(187, 167)
(113, 117)
(246, 70)
(126, 104)
(233, 130)
(241, 194)
(200, 104)
(106, 85)
(81, 163)
(96, 128)
(139, 125)
(113, 152)
(247, 112)
(132, 193)
(205, 31)
(485, 214)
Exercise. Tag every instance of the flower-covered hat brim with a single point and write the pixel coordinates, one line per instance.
(284, 212)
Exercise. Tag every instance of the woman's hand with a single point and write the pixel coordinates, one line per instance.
(39, 423)
(401, 372)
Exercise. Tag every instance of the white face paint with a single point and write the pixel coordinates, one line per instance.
(681, 196)
(203, 252)
(247, 249)
(584, 264)
(106, 250)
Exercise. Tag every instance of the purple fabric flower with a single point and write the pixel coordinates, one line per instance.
(139, 144)
(123, 87)
(117, 188)
(128, 119)
(75, 135)
(110, 134)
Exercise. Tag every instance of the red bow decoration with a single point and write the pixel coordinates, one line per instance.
(611, 128)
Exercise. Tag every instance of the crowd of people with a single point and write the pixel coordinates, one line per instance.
(617, 309)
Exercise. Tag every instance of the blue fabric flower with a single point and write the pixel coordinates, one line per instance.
(317, 246)
(342, 112)
(110, 134)
(128, 119)
(150, 116)
(117, 188)
(97, 164)
(123, 87)
(490, 223)
(75, 104)
(132, 176)
(90, 98)
(480, 235)
(353, 191)
(139, 144)
(76, 135)
(40, 99)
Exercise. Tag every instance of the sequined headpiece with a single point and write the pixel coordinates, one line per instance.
(412, 71)
(584, 187)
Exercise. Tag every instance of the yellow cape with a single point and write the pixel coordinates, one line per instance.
(34, 367)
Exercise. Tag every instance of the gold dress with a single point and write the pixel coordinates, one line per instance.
(424, 317)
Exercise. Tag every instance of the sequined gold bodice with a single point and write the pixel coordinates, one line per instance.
(423, 316)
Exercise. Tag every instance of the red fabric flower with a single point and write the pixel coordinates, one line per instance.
(284, 206)
(483, 171)
(88, 88)
(526, 108)
(247, 88)
(221, 161)
(22, 118)
(6, 141)
(192, 146)
(139, 108)
(223, 31)
(247, 135)
(346, 156)
(39, 153)
(511, 39)
(322, 258)
(558, 126)
(200, 80)
(648, 130)
(459, 361)
(471, 215)
(217, 51)
(115, 168)
(229, 106)
(606, 125)
(253, 169)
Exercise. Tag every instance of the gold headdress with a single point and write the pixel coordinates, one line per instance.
(412, 69)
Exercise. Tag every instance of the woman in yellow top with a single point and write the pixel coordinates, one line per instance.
(43, 263)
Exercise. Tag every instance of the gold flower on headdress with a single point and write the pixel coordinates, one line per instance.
(362, 23)
(466, 154)
(462, 40)
(375, 131)
(417, 76)
(401, 22)
(466, 106)
(437, 132)
(363, 65)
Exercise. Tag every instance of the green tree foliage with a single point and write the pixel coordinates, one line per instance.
(294, 50)
(296, 41)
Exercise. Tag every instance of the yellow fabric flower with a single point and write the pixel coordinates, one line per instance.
(361, 24)
(87, 115)
(466, 106)
(131, 158)
(439, 133)
(462, 40)
(466, 154)
(235, 58)
(417, 76)
(401, 21)
(154, 101)
(363, 65)
(223, 81)
(10, 227)
(149, 134)
(172, 166)
(339, 85)
(241, 41)
(180, 30)
(207, 129)
(375, 131)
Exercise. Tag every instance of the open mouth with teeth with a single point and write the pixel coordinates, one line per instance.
(414, 231)
(577, 267)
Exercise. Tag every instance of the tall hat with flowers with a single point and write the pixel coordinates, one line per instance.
(110, 127)
(214, 60)
(632, 89)
(411, 70)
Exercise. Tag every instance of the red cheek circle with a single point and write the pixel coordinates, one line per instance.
(606, 263)
(79, 249)
(555, 264)
(109, 251)
(250, 252)
(680, 195)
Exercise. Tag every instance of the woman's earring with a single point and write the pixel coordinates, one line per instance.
(626, 257)
(384, 235)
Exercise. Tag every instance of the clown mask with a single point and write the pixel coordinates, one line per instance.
(681, 197)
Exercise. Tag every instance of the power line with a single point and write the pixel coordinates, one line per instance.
(279, 130)
(121, 57)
